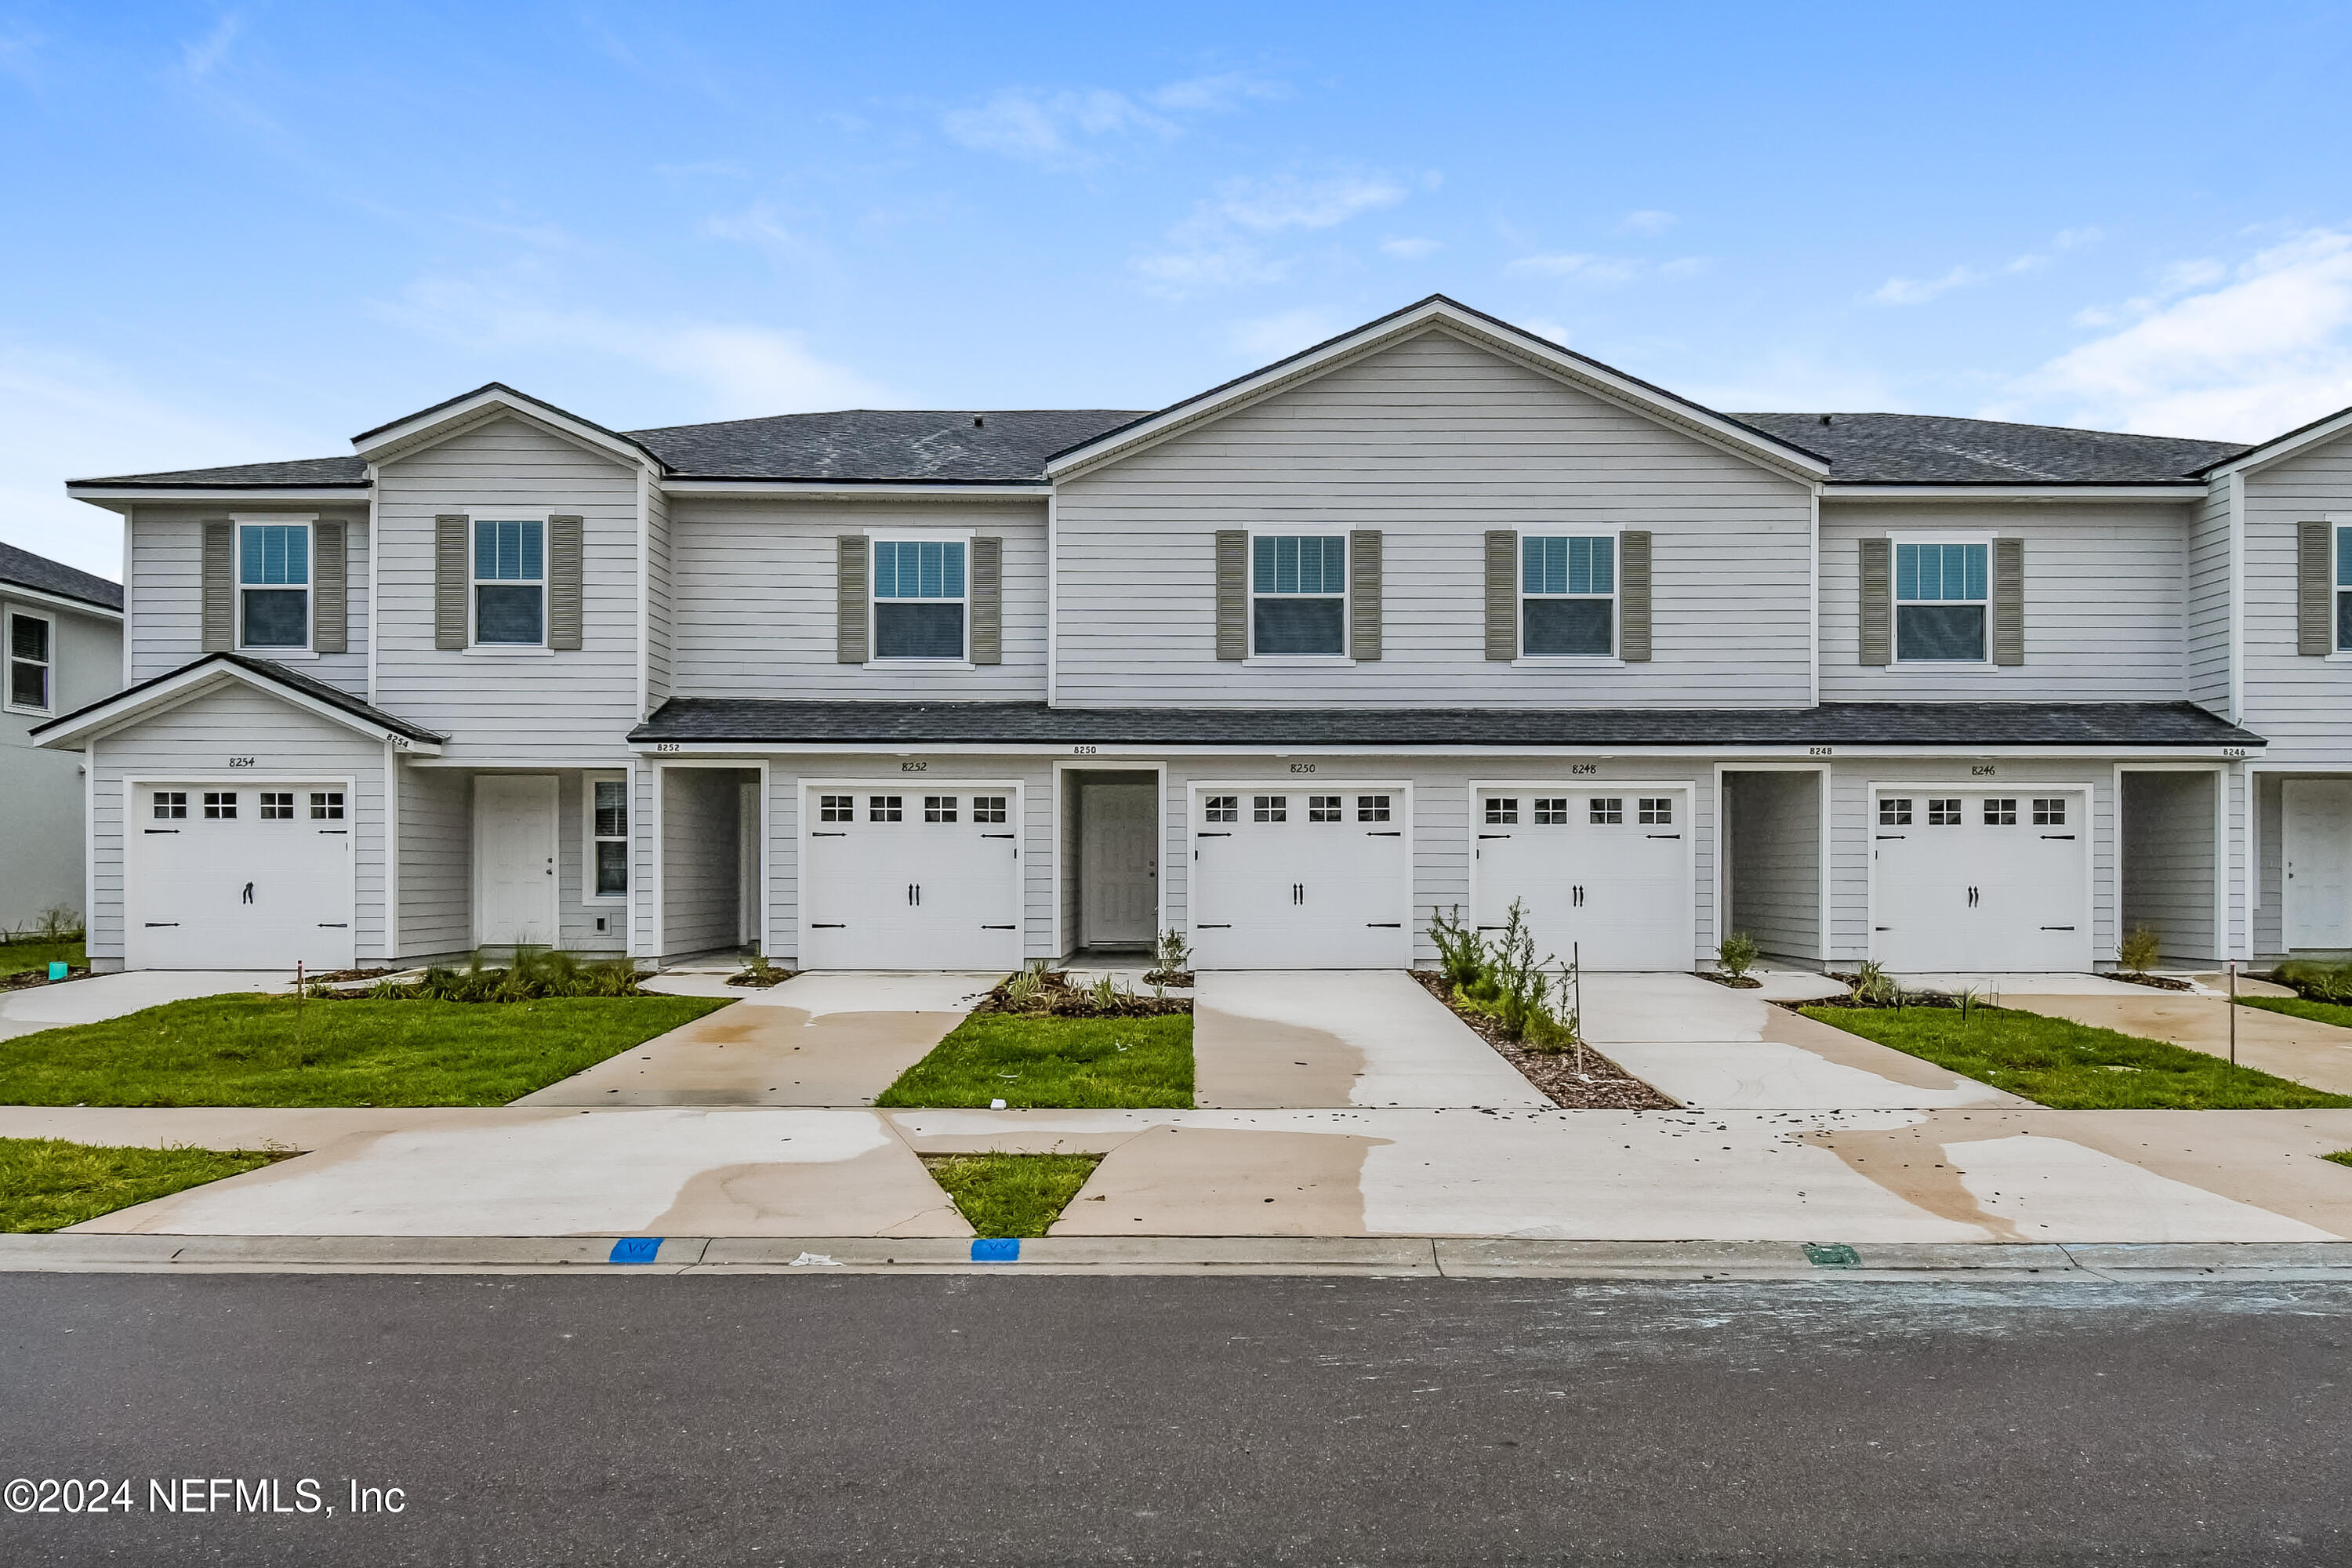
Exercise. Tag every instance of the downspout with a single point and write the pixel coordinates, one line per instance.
(129, 518)
(2242, 843)
(644, 590)
(1814, 606)
(391, 801)
(374, 626)
(1053, 597)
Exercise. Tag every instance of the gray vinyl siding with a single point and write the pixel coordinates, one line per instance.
(2297, 703)
(2167, 860)
(754, 582)
(2208, 600)
(660, 607)
(2269, 903)
(563, 709)
(436, 862)
(2106, 603)
(576, 912)
(196, 739)
(1434, 442)
(1772, 881)
(166, 591)
(42, 860)
(701, 853)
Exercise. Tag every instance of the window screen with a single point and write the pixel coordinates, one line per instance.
(1298, 595)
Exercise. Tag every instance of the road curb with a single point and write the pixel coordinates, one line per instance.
(1380, 1256)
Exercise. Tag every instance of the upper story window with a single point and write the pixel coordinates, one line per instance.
(1942, 596)
(1568, 596)
(919, 598)
(2344, 589)
(32, 659)
(510, 587)
(1298, 595)
(273, 586)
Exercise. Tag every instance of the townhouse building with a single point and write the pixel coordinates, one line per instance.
(1435, 616)
(61, 637)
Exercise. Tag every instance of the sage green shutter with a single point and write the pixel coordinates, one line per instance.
(988, 601)
(849, 598)
(1878, 602)
(1364, 593)
(2315, 632)
(1502, 595)
(220, 586)
(565, 567)
(1232, 592)
(449, 580)
(1633, 596)
(2009, 601)
(330, 595)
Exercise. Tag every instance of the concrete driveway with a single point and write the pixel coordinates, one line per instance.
(1319, 1038)
(102, 996)
(2316, 1053)
(816, 1039)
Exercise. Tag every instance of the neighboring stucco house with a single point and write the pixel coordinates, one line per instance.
(1434, 615)
(62, 630)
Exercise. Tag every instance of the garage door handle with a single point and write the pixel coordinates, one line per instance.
(1213, 836)
(1384, 925)
(1494, 928)
(827, 925)
(334, 830)
(1494, 835)
(828, 835)
(163, 830)
(1893, 836)
(334, 925)
(1389, 833)
(999, 927)
(2057, 928)
(153, 924)
(1662, 836)
(1213, 928)
(2059, 835)
(997, 835)
(249, 892)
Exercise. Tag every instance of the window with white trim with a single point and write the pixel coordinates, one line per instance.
(608, 837)
(1224, 808)
(278, 806)
(510, 581)
(1606, 811)
(988, 808)
(2050, 812)
(1657, 810)
(220, 806)
(2343, 589)
(1326, 808)
(1552, 811)
(1371, 808)
(273, 586)
(919, 598)
(171, 805)
(1944, 812)
(1502, 811)
(886, 808)
(32, 659)
(327, 805)
(1298, 595)
(938, 808)
(1894, 812)
(1568, 596)
(2000, 812)
(836, 808)
(1942, 601)
(1270, 807)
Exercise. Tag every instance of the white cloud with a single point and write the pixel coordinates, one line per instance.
(1684, 267)
(2240, 354)
(200, 58)
(1919, 292)
(1222, 244)
(1286, 201)
(1412, 249)
(1270, 337)
(1576, 266)
(1647, 221)
(1544, 327)
(1064, 129)
(758, 226)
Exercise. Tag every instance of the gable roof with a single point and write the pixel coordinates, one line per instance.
(177, 686)
(491, 400)
(2324, 429)
(1929, 448)
(27, 570)
(998, 445)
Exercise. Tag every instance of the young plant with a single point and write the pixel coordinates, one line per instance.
(2140, 952)
(1737, 954)
(1174, 954)
(1873, 987)
(1521, 987)
(1461, 951)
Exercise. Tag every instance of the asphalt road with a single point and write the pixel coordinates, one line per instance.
(530, 1419)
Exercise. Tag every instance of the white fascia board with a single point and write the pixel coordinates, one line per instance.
(58, 602)
(114, 498)
(1097, 751)
(1588, 374)
(2287, 445)
(822, 489)
(1948, 493)
(189, 685)
(411, 436)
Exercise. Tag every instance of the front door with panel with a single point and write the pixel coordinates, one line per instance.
(1119, 864)
(2316, 884)
(911, 878)
(1302, 878)
(1604, 872)
(1976, 880)
(514, 860)
(255, 875)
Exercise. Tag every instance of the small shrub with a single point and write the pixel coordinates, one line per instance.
(1737, 954)
(1173, 956)
(2316, 982)
(2140, 952)
(1461, 951)
(1027, 989)
(1873, 987)
(1521, 987)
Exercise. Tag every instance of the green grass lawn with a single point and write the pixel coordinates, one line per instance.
(1012, 1195)
(1116, 1063)
(2072, 1067)
(16, 957)
(263, 1051)
(2333, 1013)
(47, 1183)
(2341, 1156)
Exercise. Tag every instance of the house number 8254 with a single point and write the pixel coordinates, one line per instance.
(241, 762)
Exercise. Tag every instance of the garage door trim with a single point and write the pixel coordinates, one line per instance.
(2024, 789)
(241, 779)
(1294, 783)
(909, 784)
(1686, 788)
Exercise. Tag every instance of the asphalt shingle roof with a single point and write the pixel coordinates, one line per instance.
(268, 669)
(1957, 724)
(922, 445)
(1931, 449)
(29, 570)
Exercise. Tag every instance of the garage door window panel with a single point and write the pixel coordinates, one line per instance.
(919, 599)
(1568, 596)
(1942, 600)
(273, 575)
(1298, 595)
(31, 640)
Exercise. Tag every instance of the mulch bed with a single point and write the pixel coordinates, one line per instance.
(2161, 982)
(1179, 977)
(1061, 999)
(1739, 982)
(32, 978)
(752, 977)
(1605, 1087)
(345, 976)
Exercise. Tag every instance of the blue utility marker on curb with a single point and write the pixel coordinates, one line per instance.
(58, 970)
(996, 1249)
(637, 1249)
(1831, 1254)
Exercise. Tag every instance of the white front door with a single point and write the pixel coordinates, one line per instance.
(1302, 878)
(1975, 880)
(1119, 864)
(1603, 871)
(514, 860)
(2317, 821)
(253, 875)
(927, 878)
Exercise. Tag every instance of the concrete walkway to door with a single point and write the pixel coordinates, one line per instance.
(1323, 1039)
(102, 996)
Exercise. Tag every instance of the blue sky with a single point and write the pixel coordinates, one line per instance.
(250, 232)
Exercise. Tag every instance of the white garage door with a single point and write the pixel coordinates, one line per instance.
(1604, 871)
(906, 880)
(1980, 881)
(1313, 878)
(250, 875)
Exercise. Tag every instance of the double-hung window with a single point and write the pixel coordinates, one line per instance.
(608, 837)
(919, 598)
(510, 581)
(1568, 596)
(1298, 595)
(273, 586)
(32, 660)
(2343, 588)
(1942, 600)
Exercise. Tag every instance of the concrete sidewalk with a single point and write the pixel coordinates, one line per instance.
(1326, 1038)
(98, 998)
